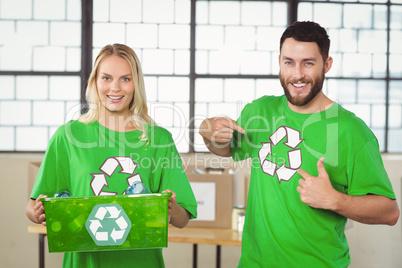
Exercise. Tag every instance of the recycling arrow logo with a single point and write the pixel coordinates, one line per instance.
(99, 180)
(283, 172)
(108, 224)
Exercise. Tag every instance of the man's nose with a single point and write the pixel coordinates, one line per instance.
(298, 72)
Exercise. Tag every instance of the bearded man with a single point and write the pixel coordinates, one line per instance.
(314, 164)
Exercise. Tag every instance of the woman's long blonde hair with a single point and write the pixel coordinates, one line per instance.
(138, 107)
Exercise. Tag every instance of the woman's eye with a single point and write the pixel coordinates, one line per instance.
(126, 79)
(106, 78)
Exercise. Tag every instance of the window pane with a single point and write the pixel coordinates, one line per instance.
(380, 17)
(32, 88)
(378, 116)
(395, 59)
(125, 10)
(158, 11)
(342, 91)
(395, 113)
(395, 92)
(209, 37)
(256, 13)
(209, 90)
(395, 117)
(395, 141)
(396, 14)
(37, 103)
(224, 12)
(44, 35)
(373, 1)
(372, 41)
(370, 91)
(231, 41)
(7, 141)
(157, 61)
(8, 9)
(364, 20)
(358, 65)
(159, 33)
(108, 33)
(329, 15)
(142, 35)
(238, 90)
(174, 36)
(305, 11)
(32, 138)
(173, 89)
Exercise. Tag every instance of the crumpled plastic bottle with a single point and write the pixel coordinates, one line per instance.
(138, 187)
(62, 193)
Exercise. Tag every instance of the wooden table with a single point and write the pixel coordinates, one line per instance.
(210, 236)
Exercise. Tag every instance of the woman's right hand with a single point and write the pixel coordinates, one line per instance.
(36, 210)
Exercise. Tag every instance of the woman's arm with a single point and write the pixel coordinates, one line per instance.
(178, 216)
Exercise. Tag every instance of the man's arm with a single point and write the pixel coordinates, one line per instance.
(217, 132)
(369, 209)
(318, 192)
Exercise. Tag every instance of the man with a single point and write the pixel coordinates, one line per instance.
(314, 164)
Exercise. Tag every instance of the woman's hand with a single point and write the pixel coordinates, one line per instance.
(178, 216)
(36, 211)
(172, 203)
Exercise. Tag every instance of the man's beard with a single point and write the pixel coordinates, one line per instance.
(315, 89)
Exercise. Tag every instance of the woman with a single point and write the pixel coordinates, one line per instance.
(116, 128)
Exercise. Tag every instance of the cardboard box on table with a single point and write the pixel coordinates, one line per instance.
(213, 190)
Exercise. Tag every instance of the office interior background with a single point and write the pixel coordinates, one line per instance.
(200, 59)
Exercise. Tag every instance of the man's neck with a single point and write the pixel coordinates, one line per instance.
(318, 104)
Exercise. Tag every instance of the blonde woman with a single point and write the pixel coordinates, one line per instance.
(116, 127)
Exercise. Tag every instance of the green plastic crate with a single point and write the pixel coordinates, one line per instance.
(100, 223)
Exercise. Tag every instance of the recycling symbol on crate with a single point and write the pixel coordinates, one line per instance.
(99, 180)
(283, 173)
(108, 224)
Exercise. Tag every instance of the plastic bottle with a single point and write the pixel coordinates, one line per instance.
(138, 188)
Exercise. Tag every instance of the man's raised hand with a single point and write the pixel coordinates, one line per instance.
(219, 129)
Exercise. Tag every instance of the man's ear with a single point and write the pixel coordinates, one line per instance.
(328, 64)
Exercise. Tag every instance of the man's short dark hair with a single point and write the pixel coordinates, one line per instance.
(308, 31)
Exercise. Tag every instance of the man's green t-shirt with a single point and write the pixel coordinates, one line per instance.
(280, 230)
(78, 153)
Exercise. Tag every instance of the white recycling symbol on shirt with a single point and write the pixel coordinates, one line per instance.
(128, 167)
(294, 155)
(108, 224)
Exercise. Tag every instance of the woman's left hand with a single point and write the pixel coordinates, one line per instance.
(172, 203)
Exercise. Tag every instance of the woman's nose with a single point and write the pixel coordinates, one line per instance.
(115, 86)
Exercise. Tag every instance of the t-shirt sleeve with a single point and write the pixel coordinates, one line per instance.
(54, 170)
(367, 173)
(175, 179)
